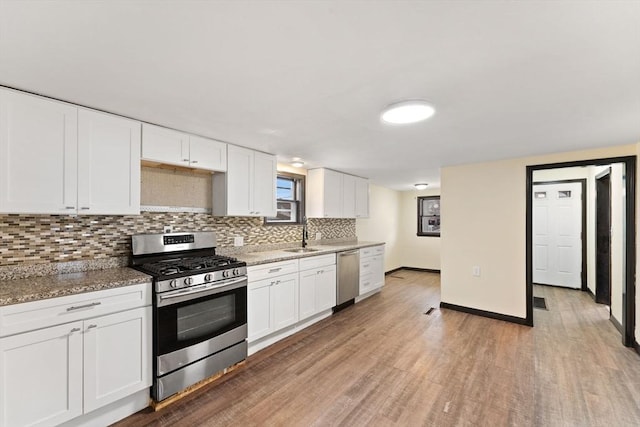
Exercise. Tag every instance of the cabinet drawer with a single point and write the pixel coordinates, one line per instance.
(378, 250)
(273, 269)
(365, 252)
(366, 283)
(29, 316)
(367, 266)
(317, 261)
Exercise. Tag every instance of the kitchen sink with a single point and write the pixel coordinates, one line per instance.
(301, 250)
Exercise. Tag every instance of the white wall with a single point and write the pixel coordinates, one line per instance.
(484, 224)
(417, 251)
(383, 223)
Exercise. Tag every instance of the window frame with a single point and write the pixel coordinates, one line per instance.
(421, 232)
(299, 196)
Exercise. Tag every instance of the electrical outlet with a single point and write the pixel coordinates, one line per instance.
(476, 271)
(318, 236)
(168, 228)
(238, 241)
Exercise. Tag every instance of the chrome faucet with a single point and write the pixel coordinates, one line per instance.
(305, 234)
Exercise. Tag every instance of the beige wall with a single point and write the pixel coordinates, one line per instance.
(416, 251)
(484, 224)
(383, 223)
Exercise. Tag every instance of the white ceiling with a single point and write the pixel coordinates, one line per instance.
(309, 78)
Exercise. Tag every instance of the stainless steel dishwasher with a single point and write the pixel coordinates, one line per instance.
(348, 282)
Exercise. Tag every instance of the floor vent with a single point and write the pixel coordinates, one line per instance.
(539, 302)
(428, 312)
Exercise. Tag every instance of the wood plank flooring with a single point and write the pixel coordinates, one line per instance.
(383, 362)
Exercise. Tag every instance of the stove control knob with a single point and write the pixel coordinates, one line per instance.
(235, 272)
(207, 277)
(188, 281)
(225, 273)
(173, 283)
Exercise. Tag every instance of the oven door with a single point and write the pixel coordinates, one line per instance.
(195, 322)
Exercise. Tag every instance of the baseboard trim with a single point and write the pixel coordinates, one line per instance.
(426, 270)
(636, 346)
(616, 324)
(557, 286)
(393, 271)
(483, 313)
(591, 293)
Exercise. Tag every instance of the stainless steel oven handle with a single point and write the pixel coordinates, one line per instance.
(195, 290)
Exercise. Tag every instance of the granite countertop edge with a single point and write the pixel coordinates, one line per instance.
(257, 258)
(17, 291)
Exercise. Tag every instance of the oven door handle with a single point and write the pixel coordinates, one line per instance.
(175, 297)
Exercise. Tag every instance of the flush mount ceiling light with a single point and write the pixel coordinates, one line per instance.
(297, 162)
(410, 111)
(420, 186)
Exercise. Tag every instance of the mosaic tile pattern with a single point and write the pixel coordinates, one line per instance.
(37, 239)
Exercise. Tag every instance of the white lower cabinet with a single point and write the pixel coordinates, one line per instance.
(371, 269)
(317, 285)
(57, 373)
(272, 304)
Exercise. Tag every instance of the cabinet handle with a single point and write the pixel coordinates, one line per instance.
(85, 208)
(78, 307)
(275, 270)
(194, 161)
(92, 326)
(74, 330)
(366, 265)
(185, 160)
(272, 283)
(69, 207)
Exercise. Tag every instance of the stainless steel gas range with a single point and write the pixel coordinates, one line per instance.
(199, 308)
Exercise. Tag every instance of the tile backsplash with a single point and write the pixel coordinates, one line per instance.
(37, 239)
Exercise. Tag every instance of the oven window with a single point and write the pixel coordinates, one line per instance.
(204, 318)
(186, 323)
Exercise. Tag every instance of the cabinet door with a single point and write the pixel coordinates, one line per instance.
(41, 381)
(207, 154)
(326, 288)
(239, 181)
(284, 301)
(332, 194)
(362, 198)
(38, 154)
(117, 356)
(307, 292)
(259, 321)
(348, 196)
(108, 164)
(165, 145)
(264, 184)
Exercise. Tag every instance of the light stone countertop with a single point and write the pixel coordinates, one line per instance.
(257, 258)
(17, 291)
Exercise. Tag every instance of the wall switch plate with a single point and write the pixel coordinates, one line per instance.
(476, 271)
(168, 228)
(318, 236)
(238, 241)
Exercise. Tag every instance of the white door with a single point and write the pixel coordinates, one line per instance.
(207, 154)
(264, 184)
(259, 320)
(165, 145)
(348, 196)
(362, 198)
(307, 293)
(108, 164)
(38, 154)
(284, 301)
(557, 242)
(239, 181)
(117, 356)
(326, 288)
(41, 380)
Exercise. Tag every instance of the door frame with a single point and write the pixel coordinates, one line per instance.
(583, 229)
(629, 297)
(607, 173)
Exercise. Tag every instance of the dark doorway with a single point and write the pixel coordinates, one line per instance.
(603, 238)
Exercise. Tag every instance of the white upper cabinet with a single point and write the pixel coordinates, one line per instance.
(362, 197)
(173, 147)
(108, 164)
(56, 158)
(249, 186)
(332, 194)
(348, 196)
(209, 154)
(38, 154)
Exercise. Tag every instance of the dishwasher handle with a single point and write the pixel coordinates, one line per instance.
(349, 253)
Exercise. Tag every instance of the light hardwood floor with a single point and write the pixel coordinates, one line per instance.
(383, 362)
